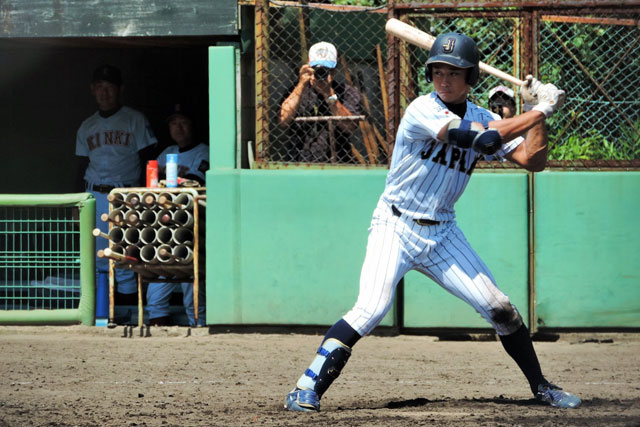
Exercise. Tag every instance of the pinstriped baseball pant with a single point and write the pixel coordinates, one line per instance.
(397, 245)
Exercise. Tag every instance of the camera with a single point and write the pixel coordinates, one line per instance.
(320, 72)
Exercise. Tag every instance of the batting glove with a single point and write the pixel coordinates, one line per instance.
(529, 92)
(550, 99)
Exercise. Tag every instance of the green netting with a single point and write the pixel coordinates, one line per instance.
(46, 258)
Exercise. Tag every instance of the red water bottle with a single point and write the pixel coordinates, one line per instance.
(152, 174)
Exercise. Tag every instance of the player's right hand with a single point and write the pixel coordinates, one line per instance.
(550, 99)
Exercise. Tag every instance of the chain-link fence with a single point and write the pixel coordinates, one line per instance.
(597, 60)
(592, 53)
(353, 131)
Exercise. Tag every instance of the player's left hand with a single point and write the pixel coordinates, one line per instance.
(529, 92)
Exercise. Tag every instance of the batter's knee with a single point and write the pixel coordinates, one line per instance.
(364, 321)
(506, 319)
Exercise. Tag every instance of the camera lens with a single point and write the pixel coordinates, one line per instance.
(321, 73)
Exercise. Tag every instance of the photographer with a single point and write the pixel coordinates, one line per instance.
(318, 94)
(502, 102)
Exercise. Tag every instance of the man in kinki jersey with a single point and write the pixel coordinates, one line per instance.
(110, 147)
(193, 162)
(440, 138)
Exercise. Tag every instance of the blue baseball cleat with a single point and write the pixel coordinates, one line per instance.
(554, 396)
(302, 400)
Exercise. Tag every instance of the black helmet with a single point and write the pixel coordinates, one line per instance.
(457, 50)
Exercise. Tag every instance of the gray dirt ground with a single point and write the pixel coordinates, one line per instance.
(54, 376)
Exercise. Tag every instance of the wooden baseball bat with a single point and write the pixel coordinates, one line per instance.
(421, 39)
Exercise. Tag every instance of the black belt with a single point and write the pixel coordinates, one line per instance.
(424, 221)
(102, 188)
(419, 221)
(105, 188)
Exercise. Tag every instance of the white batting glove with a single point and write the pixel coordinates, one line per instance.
(550, 99)
(529, 92)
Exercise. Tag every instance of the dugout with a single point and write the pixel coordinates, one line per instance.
(48, 51)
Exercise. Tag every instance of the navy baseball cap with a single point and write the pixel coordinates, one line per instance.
(108, 73)
(179, 109)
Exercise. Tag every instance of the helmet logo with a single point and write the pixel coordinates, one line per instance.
(448, 45)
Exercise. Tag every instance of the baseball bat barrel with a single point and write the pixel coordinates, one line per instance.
(167, 202)
(132, 200)
(118, 199)
(98, 233)
(115, 216)
(165, 217)
(132, 217)
(148, 254)
(115, 234)
(165, 255)
(121, 258)
(148, 236)
(424, 40)
(183, 236)
(183, 218)
(149, 200)
(183, 253)
(184, 201)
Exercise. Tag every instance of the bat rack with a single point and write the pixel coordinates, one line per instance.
(169, 268)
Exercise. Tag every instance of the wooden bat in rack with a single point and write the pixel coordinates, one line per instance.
(425, 40)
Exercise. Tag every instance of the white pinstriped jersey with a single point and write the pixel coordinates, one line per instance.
(427, 176)
(112, 146)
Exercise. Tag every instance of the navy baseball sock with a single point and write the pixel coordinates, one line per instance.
(344, 333)
(520, 347)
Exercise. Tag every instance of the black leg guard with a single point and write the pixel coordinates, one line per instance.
(336, 360)
(326, 367)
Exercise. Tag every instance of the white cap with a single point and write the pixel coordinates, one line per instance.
(502, 89)
(323, 54)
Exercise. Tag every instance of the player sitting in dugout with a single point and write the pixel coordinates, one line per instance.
(440, 138)
(193, 162)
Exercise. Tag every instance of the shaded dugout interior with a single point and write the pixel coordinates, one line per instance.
(44, 85)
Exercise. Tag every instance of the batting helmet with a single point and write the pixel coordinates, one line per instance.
(457, 50)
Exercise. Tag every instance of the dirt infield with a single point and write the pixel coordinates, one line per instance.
(85, 376)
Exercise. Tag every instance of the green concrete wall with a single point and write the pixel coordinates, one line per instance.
(286, 246)
(587, 242)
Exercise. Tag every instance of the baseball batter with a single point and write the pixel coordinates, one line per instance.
(440, 138)
(108, 146)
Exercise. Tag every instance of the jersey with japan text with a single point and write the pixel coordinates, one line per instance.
(427, 176)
